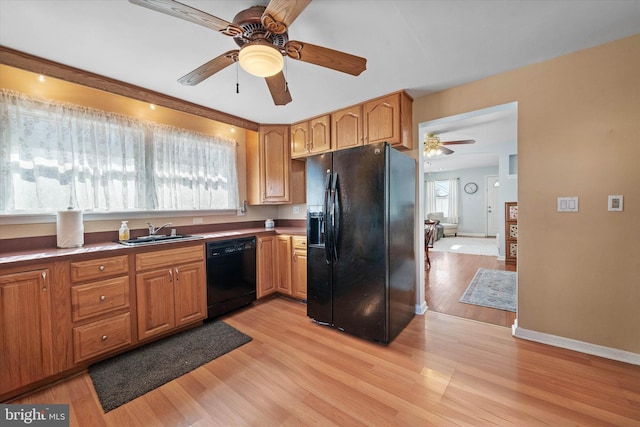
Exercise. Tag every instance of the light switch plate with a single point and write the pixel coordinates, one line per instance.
(567, 204)
(615, 203)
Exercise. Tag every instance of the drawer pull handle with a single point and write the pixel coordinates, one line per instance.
(101, 268)
(104, 337)
(103, 297)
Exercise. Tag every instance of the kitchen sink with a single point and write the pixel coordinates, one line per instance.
(157, 238)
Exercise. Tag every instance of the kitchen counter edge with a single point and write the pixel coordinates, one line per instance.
(16, 259)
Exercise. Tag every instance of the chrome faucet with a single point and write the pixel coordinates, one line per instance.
(153, 230)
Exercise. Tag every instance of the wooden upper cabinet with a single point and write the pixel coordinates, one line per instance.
(300, 141)
(275, 163)
(270, 169)
(311, 136)
(389, 119)
(320, 134)
(346, 127)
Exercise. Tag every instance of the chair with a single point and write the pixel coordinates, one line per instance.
(448, 228)
(429, 230)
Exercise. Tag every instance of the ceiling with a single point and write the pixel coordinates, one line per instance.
(494, 130)
(420, 46)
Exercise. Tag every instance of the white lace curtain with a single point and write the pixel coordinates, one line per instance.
(55, 155)
(452, 200)
(453, 215)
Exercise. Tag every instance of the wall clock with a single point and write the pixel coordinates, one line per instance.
(470, 187)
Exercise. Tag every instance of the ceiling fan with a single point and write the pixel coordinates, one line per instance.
(262, 35)
(434, 147)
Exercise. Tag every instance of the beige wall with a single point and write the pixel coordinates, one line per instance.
(578, 135)
(28, 83)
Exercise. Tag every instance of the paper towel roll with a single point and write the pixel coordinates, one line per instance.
(70, 229)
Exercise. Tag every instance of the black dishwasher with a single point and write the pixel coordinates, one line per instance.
(231, 275)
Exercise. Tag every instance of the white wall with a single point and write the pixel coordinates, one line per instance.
(473, 215)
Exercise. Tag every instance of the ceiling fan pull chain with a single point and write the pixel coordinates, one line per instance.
(286, 74)
(237, 82)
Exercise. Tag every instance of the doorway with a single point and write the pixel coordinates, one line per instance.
(494, 131)
(493, 224)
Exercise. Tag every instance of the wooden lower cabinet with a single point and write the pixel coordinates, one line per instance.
(266, 259)
(282, 266)
(100, 308)
(25, 328)
(283, 272)
(299, 268)
(102, 336)
(172, 292)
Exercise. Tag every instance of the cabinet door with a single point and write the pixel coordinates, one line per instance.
(190, 293)
(299, 139)
(320, 134)
(382, 120)
(274, 163)
(346, 128)
(154, 290)
(299, 267)
(284, 265)
(267, 253)
(299, 274)
(25, 329)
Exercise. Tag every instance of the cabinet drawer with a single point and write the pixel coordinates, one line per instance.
(101, 337)
(99, 268)
(169, 257)
(100, 297)
(299, 242)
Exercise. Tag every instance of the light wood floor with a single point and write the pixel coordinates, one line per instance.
(441, 370)
(448, 278)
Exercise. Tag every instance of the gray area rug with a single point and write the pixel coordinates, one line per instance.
(128, 375)
(492, 288)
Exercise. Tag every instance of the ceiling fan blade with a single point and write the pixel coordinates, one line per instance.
(278, 88)
(188, 13)
(463, 141)
(279, 14)
(209, 69)
(326, 57)
(446, 151)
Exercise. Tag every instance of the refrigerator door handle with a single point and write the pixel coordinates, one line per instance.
(335, 197)
(325, 215)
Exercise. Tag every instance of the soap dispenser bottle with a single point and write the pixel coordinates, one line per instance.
(123, 233)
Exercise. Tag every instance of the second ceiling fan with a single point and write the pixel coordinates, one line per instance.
(262, 35)
(434, 147)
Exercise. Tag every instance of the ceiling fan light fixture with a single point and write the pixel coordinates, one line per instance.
(261, 59)
(432, 145)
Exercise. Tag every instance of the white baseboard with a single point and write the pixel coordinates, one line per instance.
(472, 235)
(421, 308)
(571, 344)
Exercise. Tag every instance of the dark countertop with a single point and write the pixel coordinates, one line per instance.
(13, 259)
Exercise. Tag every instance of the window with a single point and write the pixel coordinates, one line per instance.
(54, 155)
(442, 197)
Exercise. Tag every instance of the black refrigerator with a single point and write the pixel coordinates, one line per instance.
(361, 266)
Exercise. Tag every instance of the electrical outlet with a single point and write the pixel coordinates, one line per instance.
(615, 203)
(296, 210)
(197, 220)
